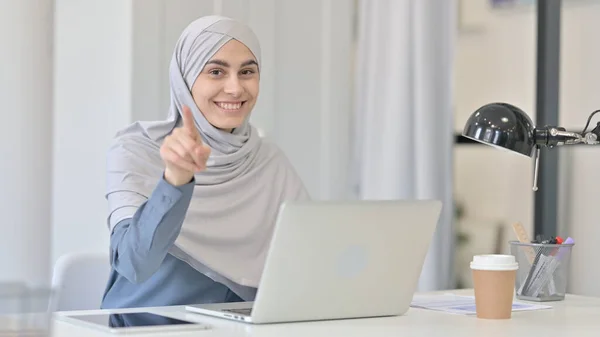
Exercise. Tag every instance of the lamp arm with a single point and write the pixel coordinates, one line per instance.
(551, 136)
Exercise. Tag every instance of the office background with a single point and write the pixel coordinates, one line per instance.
(72, 72)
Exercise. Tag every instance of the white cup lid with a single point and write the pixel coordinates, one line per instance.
(494, 262)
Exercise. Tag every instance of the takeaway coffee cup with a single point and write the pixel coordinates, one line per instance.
(494, 282)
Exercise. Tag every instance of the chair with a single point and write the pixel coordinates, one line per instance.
(79, 280)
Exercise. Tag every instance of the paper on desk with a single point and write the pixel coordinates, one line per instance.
(462, 305)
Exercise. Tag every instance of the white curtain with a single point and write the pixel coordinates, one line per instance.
(403, 118)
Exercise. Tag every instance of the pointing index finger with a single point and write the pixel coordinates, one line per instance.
(188, 120)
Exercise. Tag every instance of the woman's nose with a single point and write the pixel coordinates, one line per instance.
(233, 86)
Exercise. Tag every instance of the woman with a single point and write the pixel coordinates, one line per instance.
(193, 199)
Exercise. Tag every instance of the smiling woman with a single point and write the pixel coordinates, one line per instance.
(193, 199)
(227, 88)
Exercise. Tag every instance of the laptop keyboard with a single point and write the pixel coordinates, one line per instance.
(242, 311)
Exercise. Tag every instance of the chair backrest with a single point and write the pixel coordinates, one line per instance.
(79, 280)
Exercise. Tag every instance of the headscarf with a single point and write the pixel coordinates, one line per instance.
(229, 223)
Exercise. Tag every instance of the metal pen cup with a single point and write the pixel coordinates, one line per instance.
(543, 271)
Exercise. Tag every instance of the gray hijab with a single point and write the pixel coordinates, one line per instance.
(229, 223)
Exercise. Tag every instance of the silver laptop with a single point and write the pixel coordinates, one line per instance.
(338, 260)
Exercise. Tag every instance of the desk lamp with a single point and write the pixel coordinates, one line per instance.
(507, 127)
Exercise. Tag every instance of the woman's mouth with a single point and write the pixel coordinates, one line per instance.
(230, 106)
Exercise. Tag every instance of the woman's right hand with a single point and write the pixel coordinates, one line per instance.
(183, 151)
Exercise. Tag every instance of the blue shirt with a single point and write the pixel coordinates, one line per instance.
(143, 272)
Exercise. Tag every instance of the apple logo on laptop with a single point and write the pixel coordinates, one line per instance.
(352, 261)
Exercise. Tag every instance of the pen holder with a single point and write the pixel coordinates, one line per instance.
(25, 311)
(543, 270)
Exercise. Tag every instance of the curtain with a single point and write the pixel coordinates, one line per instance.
(403, 136)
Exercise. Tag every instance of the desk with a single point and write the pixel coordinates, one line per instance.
(575, 316)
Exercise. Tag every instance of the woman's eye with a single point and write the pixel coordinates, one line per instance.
(247, 72)
(215, 72)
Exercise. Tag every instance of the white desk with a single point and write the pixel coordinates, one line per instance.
(576, 316)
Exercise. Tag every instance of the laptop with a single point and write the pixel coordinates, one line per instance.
(338, 260)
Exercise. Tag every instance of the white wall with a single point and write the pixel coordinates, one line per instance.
(92, 99)
(311, 96)
(579, 97)
(497, 63)
(25, 143)
(112, 68)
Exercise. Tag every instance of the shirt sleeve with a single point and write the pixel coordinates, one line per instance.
(139, 244)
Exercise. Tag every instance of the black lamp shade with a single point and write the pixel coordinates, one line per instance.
(502, 125)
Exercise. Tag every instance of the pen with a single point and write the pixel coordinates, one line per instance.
(532, 271)
(561, 252)
(548, 274)
(540, 266)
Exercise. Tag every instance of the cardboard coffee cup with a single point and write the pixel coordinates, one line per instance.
(494, 283)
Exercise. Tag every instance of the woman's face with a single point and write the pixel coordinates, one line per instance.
(227, 88)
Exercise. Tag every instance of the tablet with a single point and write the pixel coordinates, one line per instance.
(143, 322)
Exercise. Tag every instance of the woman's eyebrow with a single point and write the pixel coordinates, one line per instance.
(226, 65)
(249, 62)
(219, 62)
